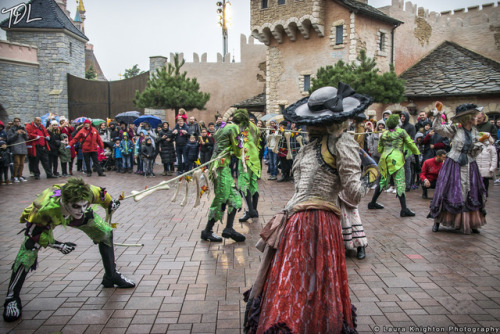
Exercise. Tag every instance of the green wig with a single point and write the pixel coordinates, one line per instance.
(392, 121)
(240, 117)
(76, 190)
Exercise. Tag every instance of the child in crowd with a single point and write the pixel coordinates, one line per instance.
(117, 155)
(487, 160)
(206, 146)
(126, 149)
(5, 162)
(138, 154)
(64, 154)
(147, 156)
(211, 129)
(192, 150)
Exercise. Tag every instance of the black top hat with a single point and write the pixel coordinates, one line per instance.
(466, 109)
(327, 105)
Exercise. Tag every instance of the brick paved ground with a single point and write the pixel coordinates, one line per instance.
(411, 276)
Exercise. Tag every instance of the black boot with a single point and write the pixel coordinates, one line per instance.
(435, 227)
(229, 231)
(111, 276)
(251, 213)
(12, 306)
(373, 204)
(208, 235)
(255, 201)
(284, 177)
(361, 253)
(405, 212)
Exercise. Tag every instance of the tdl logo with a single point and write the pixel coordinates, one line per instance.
(18, 12)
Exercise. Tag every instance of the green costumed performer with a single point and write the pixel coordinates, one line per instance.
(391, 146)
(229, 139)
(68, 205)
(249, 164)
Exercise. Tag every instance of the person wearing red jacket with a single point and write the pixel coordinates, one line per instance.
(89, 139)
(430, 171)
(39, 150)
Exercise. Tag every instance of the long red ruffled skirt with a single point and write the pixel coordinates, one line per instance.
(306, 290)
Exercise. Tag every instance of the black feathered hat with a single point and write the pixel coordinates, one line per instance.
(328, 105)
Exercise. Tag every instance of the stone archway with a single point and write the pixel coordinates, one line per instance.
(4, 116)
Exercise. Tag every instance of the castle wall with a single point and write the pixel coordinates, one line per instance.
(19, 87)
(475, 28)
(58, 54)
(228, 83)
(290, 61)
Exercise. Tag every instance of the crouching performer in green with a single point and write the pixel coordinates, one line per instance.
(68, 205)
(228, 139)
(249, 169)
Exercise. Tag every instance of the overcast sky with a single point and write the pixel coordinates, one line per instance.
(128, 32)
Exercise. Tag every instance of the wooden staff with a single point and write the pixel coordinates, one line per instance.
(288, 146)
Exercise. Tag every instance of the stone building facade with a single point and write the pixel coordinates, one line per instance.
(303, 36)
(475, 28)
(35, 60)
(227, 82)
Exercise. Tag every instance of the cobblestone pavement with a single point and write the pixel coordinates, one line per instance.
(410, 277)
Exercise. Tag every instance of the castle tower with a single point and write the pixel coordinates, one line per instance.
(80, 15)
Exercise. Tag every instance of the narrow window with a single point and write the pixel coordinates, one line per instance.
(307, 82)
(70, 49)
(281, 2)
(264, 4)
(339, 35)
(381, 46)
(282, 108)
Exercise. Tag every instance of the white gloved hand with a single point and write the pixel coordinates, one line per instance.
(65, 248)
(114, 205)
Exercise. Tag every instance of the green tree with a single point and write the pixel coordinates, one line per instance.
(364, 78)
(132, 72)
(171, 89)
(91, 73)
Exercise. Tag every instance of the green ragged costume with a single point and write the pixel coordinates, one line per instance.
(390, 146)
(226, 194)
(44, 214)
(247, 181)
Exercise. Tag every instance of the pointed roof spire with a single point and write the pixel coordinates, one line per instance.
(80, 7)
(77, 17)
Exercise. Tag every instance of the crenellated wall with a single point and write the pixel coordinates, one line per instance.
(228, 83)
(477, 28)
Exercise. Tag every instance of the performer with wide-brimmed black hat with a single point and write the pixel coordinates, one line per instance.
(301, 286)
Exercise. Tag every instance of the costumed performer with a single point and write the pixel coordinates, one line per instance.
(228, 138)
(460, 196)
(247, 179)
(301, 285)
(68, 205)
(391, 146)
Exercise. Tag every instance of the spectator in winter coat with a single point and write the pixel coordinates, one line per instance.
(211, 129)
(5, 161)
(483, 125)
(64, 154)
(386, 114)
(3, 133)
(117, 155)
(129, 131)
(39, 151)
(68, 130)
(182, 113)
(181, 132)
(373, 138)
(147, 153)
(487, 160)
(194, 128)
(206, 146)
(419, 126)
(192, 151)
(430, 171)
(138, 152)
(17, 137)
(90, 140)
(127, 151)
(54, 143)
(167, 149)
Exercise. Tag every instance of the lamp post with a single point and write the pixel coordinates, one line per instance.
(224, 21)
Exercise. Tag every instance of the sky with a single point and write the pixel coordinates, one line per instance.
(128, 32)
